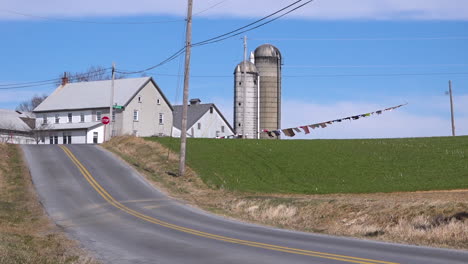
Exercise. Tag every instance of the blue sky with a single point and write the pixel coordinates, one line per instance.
(339, 59)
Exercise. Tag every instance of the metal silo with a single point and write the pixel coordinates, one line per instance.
(268, 62)
(246, 111)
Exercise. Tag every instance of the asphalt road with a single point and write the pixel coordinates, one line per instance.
(121, 218)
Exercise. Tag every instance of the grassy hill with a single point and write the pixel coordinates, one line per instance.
(329, 166)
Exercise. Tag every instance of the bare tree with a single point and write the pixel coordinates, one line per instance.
(29, 105)
(93, 73)
(40, 132)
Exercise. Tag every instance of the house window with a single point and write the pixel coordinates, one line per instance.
(135, 115)
(44, 119)
(64, 138)
(158, 101)
(70, 116)
(139, 98)
(95, 137)
(113, 115)
(222, 129)
(161, 118)
(98, 115)
(81, 117)
(199, 126)
(57, 118)
(211, 110)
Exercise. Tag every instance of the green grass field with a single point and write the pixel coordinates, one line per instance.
(329, 166)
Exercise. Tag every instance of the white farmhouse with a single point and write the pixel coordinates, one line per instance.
(16, 127)
(203, 121)
(73, 112)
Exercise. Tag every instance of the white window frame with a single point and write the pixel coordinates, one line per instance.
(82, 117)
(98, 115)
(44, 119)
(70, 117)
(161, 118)
(158, 101)
(199, 126)
(113, 115)
(57, 118)
(135, 115)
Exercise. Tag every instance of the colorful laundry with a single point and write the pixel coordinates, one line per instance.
(290, 131)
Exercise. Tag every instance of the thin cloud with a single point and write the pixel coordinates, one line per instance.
(319, 9)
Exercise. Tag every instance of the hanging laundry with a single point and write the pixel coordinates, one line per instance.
(289, 132)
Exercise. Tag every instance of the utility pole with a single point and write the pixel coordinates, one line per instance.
(188, 45)
(451, 108)
(111, 101)
(244, 87)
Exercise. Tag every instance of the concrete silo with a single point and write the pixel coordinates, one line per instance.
(246, 111)
(268, 62)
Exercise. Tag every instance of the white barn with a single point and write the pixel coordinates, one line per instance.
(203, 121)
(73, 113)
(16, 127)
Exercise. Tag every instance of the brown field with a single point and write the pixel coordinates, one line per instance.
(26, 233)
(438, 219)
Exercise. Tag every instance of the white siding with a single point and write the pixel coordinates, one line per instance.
(211, 126)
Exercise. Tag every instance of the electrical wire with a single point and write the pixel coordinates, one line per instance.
(88, 21)
(223, 36)
(327, 75)
(231, 33)
(48, 82)
(363, 39)
(208, 8)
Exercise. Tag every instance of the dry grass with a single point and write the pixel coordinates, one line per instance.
(26, 233)
(437, 219)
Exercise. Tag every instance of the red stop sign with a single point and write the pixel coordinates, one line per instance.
(105, 120)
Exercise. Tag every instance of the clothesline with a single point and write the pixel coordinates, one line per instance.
(291, 132)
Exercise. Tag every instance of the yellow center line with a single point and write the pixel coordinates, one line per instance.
(111, 200)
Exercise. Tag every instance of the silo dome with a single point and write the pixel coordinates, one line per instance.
(267, 50)
(249, 66)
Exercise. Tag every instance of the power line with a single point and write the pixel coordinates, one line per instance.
(224, 36)
(363, 39)
(377, 66)
(105, 23)
(88, 21)
(50, 81)
(248, 25)
(328, 75)
(230, 34)
(208, 8)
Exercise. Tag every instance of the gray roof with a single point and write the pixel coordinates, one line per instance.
(86, 95)
(194, 113)
(11, 120)
(72, 126)
(246, 64)
(267, 50)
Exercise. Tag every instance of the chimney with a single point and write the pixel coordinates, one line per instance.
(64, 79)
(195, 101)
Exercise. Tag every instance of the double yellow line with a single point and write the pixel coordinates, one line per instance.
(111, 200)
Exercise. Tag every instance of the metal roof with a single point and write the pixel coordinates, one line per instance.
(11, 120)
(246, 65)
(194, 113)
(96, 94)
(267, 50)
(71, 126)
